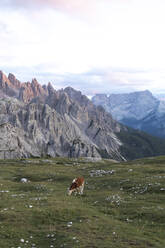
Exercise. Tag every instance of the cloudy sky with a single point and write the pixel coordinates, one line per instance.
(96, 46)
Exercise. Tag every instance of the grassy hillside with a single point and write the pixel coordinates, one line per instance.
(138, 144)
(123, 204)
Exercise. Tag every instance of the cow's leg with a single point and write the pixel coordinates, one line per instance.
(81, 189)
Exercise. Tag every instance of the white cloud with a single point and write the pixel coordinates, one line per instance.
(49, 35)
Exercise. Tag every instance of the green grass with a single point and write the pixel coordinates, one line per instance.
(125, 208)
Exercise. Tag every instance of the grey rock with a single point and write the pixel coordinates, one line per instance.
(139, 110)
(38, 121)
(37, 129)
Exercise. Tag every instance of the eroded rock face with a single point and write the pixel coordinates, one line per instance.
(15, 82)
(42, 131)
(29, 91)
(25, 92)
(38, 121)
(7, 87)
(54, 123)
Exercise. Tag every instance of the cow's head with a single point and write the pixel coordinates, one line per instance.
(72, 188)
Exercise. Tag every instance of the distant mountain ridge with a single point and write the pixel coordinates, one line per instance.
(139, 110)
(38, 121)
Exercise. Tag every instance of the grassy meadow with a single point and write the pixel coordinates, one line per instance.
(123, 205)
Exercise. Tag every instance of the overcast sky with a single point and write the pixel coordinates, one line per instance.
(96, 46)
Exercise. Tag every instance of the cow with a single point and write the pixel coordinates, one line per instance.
(77, 186)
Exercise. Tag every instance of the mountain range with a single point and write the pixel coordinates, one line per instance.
(139, 110)
(38, 121)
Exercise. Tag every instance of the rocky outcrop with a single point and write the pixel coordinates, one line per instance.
(7, 87)
(45, 122)
(15, 83)
(25, 92)
(29, 91)
(36, 130)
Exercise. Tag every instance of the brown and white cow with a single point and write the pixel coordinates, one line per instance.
(77, 186)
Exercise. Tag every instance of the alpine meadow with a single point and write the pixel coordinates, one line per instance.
(122, 206)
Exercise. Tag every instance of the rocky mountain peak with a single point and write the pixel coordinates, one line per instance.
(72, 92)
(3, 79)
(139, 110)
(50, 89)
(15, 82)
(34, 82)
(25, 92)
(77, 95)
(6, 86)
(28, 91)
(135, 105)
